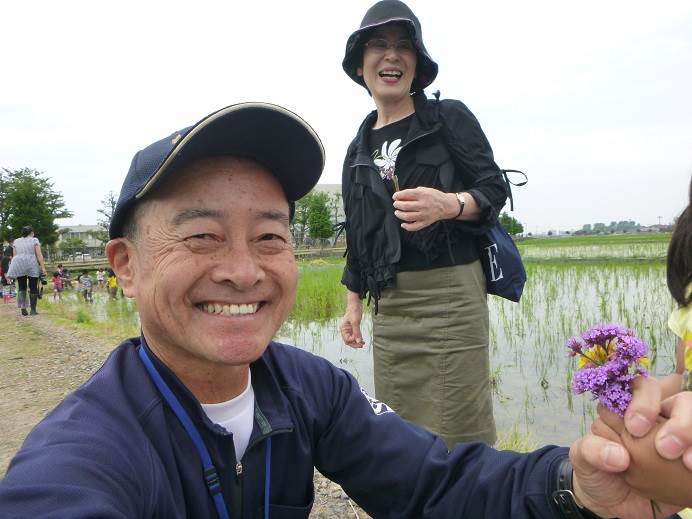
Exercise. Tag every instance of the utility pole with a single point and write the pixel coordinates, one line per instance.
(659, 220)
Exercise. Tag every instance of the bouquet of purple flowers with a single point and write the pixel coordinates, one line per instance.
(610, 356)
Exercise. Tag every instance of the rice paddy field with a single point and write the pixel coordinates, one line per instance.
(573, 283)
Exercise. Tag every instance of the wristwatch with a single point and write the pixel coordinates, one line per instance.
(462, 203)
(564, 496)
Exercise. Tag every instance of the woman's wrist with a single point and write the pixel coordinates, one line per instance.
(453, 206)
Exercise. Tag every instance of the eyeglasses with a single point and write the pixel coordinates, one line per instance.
(382, 45)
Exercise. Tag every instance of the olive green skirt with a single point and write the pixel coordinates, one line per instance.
(430, 349)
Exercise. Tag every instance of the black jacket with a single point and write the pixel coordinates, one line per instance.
(445, 149)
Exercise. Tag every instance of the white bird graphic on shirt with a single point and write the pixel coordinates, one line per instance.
(387, 159)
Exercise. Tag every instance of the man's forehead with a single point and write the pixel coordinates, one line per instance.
(246, 171)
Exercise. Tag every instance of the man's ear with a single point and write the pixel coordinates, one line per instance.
(121, 256)
(359, 71)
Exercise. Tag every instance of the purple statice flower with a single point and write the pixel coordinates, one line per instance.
(574, 345)
(610, 357)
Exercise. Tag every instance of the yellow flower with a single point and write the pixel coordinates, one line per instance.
(596, 355)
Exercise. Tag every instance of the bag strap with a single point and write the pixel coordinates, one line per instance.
(509, 183)
(503, 172)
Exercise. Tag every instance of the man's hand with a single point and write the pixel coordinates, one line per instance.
(599, 483)
(663, 480)
(607, 475)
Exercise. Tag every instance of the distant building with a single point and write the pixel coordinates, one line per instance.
(86, 233)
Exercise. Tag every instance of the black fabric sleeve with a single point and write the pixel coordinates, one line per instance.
(351, 276)
(474, 164)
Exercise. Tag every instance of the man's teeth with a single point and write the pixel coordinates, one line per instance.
(390, 73)
(217, 308)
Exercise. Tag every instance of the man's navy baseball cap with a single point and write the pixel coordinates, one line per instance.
(272, 135)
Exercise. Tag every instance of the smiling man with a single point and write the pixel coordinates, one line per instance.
(205, 416)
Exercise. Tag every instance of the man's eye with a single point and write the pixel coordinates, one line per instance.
(269, 236)
(201, 236)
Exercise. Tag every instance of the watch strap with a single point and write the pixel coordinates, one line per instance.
(462, 204)
(563, 495)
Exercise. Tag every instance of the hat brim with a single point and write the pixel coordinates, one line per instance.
(272, 135)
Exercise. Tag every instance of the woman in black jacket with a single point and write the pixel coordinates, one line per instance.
(419, 183)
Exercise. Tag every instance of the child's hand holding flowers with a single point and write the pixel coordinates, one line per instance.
(610, 360)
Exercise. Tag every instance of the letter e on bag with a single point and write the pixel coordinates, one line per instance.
(492, 263)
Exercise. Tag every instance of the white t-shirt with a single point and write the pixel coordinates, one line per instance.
(236, 416)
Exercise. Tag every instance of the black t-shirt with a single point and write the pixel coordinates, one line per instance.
(385, 144)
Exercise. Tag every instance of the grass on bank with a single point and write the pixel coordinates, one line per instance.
(606, 239)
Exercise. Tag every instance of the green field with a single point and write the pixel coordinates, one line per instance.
(606, 239)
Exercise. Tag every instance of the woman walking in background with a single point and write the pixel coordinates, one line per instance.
(419, 183)
(26, 266)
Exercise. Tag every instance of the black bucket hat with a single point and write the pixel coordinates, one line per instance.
(275, 137)
(384, 12)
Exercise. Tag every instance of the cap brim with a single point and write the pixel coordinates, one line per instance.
(272, 135)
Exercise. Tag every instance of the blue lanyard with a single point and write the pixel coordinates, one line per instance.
(211, 476)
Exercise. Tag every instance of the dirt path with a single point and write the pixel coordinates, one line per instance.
(40, 362)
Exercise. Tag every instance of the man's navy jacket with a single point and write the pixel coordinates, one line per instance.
(114, 449)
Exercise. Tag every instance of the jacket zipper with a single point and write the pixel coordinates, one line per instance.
(237, 506)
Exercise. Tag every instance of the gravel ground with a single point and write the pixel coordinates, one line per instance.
(40, 362)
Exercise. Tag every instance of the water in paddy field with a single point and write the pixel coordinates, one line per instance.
(529, 366)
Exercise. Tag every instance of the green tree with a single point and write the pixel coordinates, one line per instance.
(27, 198)
(299, 224)
(319, 216)
(511, 224)
(71, 245)
(106, 212)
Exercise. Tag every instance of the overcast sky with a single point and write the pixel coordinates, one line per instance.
(593, 99)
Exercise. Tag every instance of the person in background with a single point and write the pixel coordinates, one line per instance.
(7, 283)
(85, 286)
(26, 266)
(100, 278)
(112, 284)
(419, 184)
(66, 277)
(4, 266)
(57, 285)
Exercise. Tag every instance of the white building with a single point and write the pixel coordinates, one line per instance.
(86, 233)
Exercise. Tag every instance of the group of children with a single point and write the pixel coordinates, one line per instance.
(62, 281)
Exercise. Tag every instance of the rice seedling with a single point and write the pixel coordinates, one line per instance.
(516, 440)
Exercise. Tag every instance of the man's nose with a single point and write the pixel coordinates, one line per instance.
(240, 266)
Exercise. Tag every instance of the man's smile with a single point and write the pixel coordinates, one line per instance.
(230, 309)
